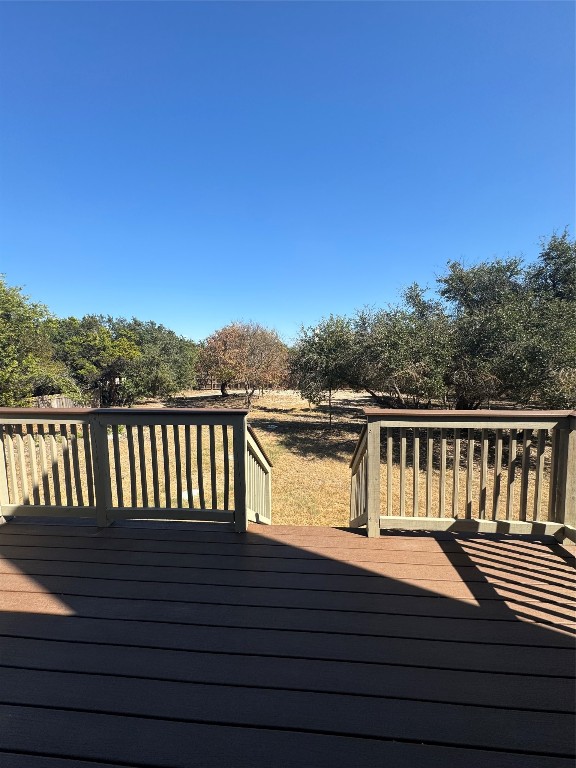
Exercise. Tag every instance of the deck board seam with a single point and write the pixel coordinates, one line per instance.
(270, 573)
(448, 563)
(289, 689)
(523, 599)
(77, 758)
(564, 626)
(260, 538)
(329, 659)
(312, 555)
(298, 730)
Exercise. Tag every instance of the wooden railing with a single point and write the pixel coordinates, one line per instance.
(115, 464)
(509, 471)
(258, 480)
(359, 482)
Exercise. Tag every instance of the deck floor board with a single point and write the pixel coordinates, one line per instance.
(167, 646)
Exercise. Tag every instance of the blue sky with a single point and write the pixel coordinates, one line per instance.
(200, 162)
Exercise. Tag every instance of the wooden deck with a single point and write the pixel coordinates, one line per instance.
(196, 646)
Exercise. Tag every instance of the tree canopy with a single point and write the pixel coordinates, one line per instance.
(27, 363)
(498, 330)
(247, 354)
(322, 359)
(93, 359)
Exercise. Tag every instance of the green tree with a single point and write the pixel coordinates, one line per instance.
(401, 352)
(27, 364)
(98, 357)
(322, 359)
(554, 274)
(486, 302)
(514, 328)
(166, 363)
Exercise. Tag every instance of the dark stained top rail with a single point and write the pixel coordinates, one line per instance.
(472, 414)
(67, 412)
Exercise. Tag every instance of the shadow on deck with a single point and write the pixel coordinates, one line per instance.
(189, 645)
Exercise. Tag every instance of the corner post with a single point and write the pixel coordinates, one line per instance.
(101, 460)
(373, 477)
(566, 494)
(239, 431)
(4, 493)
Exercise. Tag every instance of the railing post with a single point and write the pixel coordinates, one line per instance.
(4, 494)
(373, 478)
(101, 467)
(566, 474)
(239, 431)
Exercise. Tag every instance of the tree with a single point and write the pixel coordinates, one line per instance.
(486, 304)
(498, 330)
(166, 363)
(554, 274)
(514, 328)
(27, 364)
(401, 353)
(99, 358)
(245, 353)
(322, 358)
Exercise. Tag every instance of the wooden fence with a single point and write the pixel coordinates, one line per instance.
(113, 464)
(509, 471)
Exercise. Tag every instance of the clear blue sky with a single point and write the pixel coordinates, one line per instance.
(195, 163)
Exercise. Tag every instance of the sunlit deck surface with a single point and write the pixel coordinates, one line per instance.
(191, 645)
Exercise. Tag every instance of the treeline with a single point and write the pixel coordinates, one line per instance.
(106, 361)
(95, 360)
(498, 331)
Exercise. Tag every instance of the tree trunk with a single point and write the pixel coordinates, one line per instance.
(399, 396)
(224, 388)
(249, 396)
(384, 400)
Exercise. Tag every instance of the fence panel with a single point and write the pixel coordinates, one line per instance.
(131, 463)
(509, 463)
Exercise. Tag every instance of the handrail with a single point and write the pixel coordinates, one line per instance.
(118, 463)
(505, 481)
(54, 413)
(254, 437)
(258, 481)
(358, 446)
(446, 412)
(463, 419)
(358, 481)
